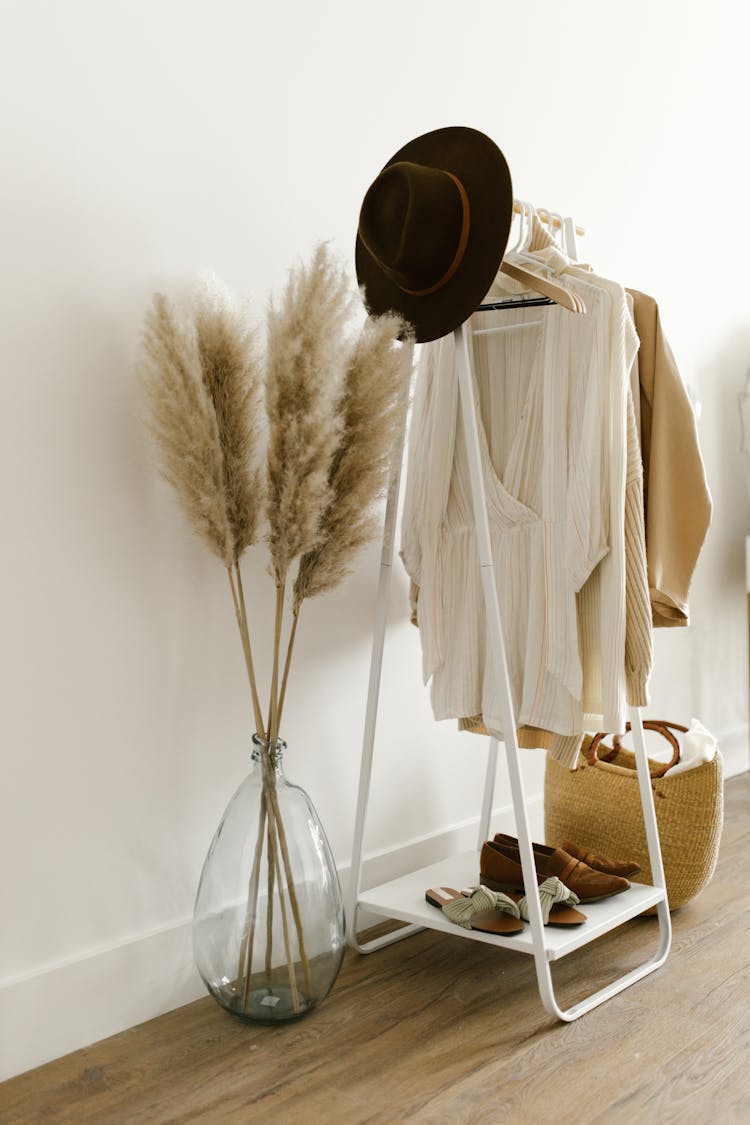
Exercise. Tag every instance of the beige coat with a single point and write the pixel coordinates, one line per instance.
(676, 497)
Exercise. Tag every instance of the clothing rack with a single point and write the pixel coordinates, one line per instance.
(403, 898)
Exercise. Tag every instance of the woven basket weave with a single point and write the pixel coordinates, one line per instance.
(598, 807)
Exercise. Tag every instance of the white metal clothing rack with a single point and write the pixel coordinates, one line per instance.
(404, 898)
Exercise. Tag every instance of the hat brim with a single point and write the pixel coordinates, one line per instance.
(481, 167)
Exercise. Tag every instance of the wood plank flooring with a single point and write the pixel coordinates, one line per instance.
(436, 1029)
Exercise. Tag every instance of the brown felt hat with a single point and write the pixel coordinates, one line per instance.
(433, 229)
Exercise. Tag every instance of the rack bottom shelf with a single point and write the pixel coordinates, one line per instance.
(403, 899)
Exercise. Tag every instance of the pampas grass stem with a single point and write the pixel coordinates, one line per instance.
(248, 932)
(292, 891)
(273, 830)
(269, 910)
(285, 928)
(239, 610)
(249, 655)
(275, 822)
(288, 661)
(273, 724)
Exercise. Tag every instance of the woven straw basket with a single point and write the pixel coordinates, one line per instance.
(598, 807)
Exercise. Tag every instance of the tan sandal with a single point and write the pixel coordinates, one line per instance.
(557, 903)
(478, 909)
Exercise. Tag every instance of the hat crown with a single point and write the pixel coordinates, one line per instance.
(411, 222)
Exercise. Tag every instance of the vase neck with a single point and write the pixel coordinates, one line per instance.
(261, 749)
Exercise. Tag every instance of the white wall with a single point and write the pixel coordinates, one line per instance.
(145, 141)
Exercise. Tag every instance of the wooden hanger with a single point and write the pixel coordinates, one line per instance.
(527, 277)
(551, 289)
(545, 216)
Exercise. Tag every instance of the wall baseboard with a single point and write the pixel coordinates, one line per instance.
(109, 990)
(75, 1003)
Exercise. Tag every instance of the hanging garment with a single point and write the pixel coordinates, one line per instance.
(613, 611)
(639, 645)
(615, 633)
(676, 495)
(638, 655)
(542, 403)
(610, 679)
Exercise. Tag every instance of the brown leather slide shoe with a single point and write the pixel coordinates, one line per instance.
(500, 870)
(623, 868)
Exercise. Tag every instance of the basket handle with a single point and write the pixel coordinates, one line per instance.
(593, 756)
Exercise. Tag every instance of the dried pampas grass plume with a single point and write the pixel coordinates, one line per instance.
(305, 371)
(231, 371)
(202, 383)
(183, 423)
(372, 408)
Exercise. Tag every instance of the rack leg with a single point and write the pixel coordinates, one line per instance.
(489, 794)
(497, 647)
(652, 833)
(541, 963)
(373, 695)
(657, 869)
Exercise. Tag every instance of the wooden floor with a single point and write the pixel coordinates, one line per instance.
(436, 1029)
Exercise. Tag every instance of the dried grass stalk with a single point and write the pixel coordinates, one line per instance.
(305, 371)
(372, 409)
(184, 425)
(202, 381)
(232, 373)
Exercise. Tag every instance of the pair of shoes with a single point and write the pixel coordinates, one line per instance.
(500, 870)
(495, 912)
(623, 868)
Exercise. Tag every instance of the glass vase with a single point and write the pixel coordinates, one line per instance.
(268, 924)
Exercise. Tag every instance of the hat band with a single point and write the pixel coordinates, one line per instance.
(460, 250)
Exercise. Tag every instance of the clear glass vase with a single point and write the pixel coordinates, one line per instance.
(268, 924)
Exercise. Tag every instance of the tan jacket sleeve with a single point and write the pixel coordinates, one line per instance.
(639, 650)
(676, 497)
